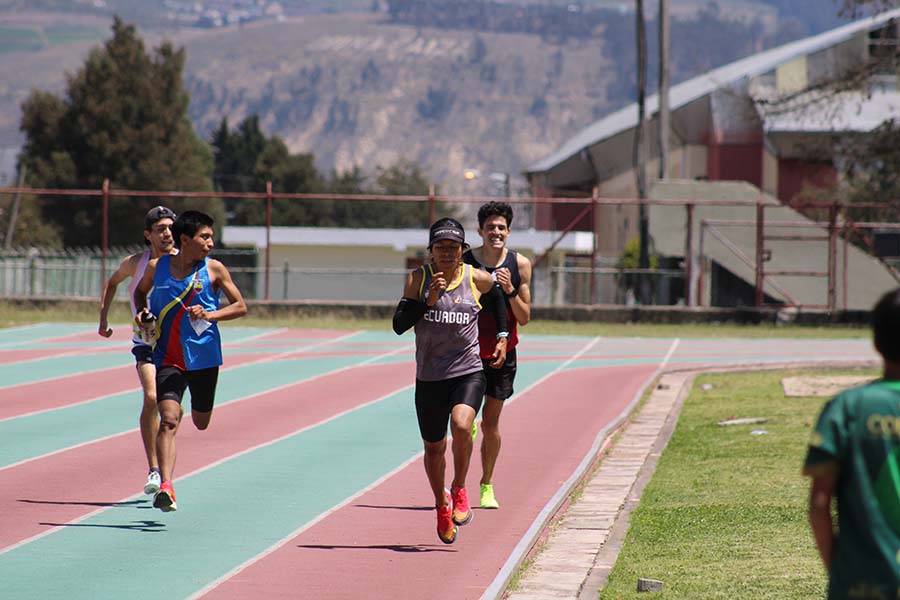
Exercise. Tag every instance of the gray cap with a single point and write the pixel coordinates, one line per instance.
(155, 214)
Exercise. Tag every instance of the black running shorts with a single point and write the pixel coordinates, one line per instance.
(172, 381)
(435, 401)
(500, 381)
(142, 353)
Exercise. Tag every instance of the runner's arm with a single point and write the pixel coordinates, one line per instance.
(144, 286)
(125, 270)
(492, 300)
(221, 279)
(520, 303)
(821, 492)
(409, 309)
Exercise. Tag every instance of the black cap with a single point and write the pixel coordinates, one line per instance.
(446, 229)
(155, 214)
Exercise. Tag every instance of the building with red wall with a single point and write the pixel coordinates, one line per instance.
(771, 119)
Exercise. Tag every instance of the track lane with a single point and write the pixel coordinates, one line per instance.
(44, 490)
(386, 537)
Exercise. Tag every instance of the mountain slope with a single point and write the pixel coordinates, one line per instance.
(358, 90)
(355, 91)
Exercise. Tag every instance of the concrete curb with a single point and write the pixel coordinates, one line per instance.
(581, 548)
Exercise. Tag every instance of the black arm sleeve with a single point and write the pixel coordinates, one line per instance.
(408, 312)
(496, 303)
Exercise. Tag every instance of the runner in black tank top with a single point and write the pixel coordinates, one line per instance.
(442, 301)
(512, 272)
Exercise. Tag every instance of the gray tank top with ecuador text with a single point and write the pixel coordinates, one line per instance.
(447, 336)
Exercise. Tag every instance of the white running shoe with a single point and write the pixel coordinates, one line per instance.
(152, 485)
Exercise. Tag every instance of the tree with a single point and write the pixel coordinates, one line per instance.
(236, 155)
(857, 8)
(871, 167)
(405, 178)
(123, 118)
(293, 174)
(246, 159)
(630, 258)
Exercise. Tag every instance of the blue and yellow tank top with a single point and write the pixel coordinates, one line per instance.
(447, 336)
(182, 342)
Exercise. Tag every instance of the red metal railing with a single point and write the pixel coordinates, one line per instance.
(837, 227)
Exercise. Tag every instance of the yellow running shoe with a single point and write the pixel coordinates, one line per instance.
(474, 430)
(487, 496)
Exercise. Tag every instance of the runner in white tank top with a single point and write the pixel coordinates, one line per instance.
(158, 238)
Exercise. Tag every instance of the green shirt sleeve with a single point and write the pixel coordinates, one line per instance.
(828, 442)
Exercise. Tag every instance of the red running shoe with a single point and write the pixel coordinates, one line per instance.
(164, 499)
(446, 528)
(462, 514)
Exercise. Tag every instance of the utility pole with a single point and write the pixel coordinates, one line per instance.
(663, 30)
(14, 211)
(639, 156)
(663, 89)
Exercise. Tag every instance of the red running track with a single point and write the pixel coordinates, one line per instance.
(384, 541)
(237, 426)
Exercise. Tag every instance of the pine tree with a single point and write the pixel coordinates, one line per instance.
(123, 118)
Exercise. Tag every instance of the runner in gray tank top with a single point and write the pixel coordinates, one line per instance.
(442, 300)
(447, 334)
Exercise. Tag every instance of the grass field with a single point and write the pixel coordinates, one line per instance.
(725, 513)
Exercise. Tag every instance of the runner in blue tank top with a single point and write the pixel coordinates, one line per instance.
(442, 300)
(188, 351)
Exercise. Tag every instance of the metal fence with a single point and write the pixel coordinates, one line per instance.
(762, 253)
(46, 273)
(79, 274)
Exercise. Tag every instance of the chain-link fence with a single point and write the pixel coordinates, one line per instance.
(717, 252)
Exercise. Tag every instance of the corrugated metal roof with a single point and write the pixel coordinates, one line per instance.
(688, 91)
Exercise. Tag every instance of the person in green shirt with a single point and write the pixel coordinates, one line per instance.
(853, 457)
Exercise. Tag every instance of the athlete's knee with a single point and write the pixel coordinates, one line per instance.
(168, 420)
(490, 426)
(201, 419)
(462, 426)
(433, 449)
(150, 399)
(490, 414)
